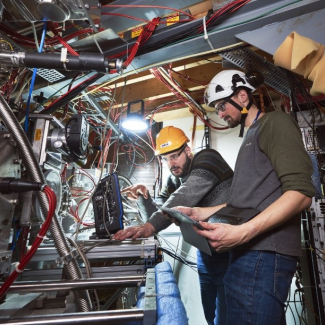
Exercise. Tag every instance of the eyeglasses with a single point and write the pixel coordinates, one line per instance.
(173, 157)
(220, 106)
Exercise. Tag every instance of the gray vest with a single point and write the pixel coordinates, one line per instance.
(256, 185)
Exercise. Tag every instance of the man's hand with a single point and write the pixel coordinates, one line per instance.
(135, 232)
(134, 191)
(173, 220)
(223, 237)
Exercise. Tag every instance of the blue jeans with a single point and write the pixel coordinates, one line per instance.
(257, 285)
(211, 271)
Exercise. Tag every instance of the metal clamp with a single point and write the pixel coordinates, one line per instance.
(67, 258)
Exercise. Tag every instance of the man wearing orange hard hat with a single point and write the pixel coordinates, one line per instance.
(202, 179)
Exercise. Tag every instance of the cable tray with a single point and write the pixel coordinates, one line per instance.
(50, 75)
(249, 60)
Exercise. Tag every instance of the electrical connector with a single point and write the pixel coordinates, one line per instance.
(15, 185)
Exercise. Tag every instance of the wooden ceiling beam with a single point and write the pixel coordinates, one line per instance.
(146, 89)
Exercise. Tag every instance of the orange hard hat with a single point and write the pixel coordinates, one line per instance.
(170, 139)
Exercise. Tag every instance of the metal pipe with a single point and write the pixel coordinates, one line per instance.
(117, 317)
(98, 283)
(29, 29)
(35, 174)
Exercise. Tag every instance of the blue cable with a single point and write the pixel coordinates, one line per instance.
(34, 77)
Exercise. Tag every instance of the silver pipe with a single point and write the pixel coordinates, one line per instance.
(116, 317)
(35, 174)
(98, 283)
(28, 29)
(12, 58)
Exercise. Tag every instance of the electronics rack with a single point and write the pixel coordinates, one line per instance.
(314, 286)
(108, 208)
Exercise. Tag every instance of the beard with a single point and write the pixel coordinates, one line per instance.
(181, 171)
(232, 122)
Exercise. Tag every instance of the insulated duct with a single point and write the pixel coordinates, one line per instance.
(82, 62)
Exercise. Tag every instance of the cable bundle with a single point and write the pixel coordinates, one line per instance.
(23, 263)
(196, 28)
(183, 96)
(53, 29)
(64, 99)
(30, 42)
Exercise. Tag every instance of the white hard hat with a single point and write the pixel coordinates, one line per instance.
(224, 84)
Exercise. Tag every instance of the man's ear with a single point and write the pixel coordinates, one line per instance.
(243, 96)
(188, 151)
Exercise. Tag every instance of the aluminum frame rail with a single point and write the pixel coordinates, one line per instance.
(147, 315)
(142, 248)
(117, 317)
(97, 272)
(88, 284)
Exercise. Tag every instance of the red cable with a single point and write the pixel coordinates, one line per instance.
(23, 263)
(68, 92)
(77, 214)
(157, 74)
(52, 27)
(143, 38)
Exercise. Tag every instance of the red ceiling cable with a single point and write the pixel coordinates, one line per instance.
(143, 37)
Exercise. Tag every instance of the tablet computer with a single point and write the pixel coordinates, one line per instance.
(180, 216)
(233, 216)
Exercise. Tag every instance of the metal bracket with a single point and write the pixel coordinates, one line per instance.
(67, 258)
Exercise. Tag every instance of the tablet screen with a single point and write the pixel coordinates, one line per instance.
(180, 216)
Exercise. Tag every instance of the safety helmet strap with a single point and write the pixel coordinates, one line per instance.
(244, 112)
